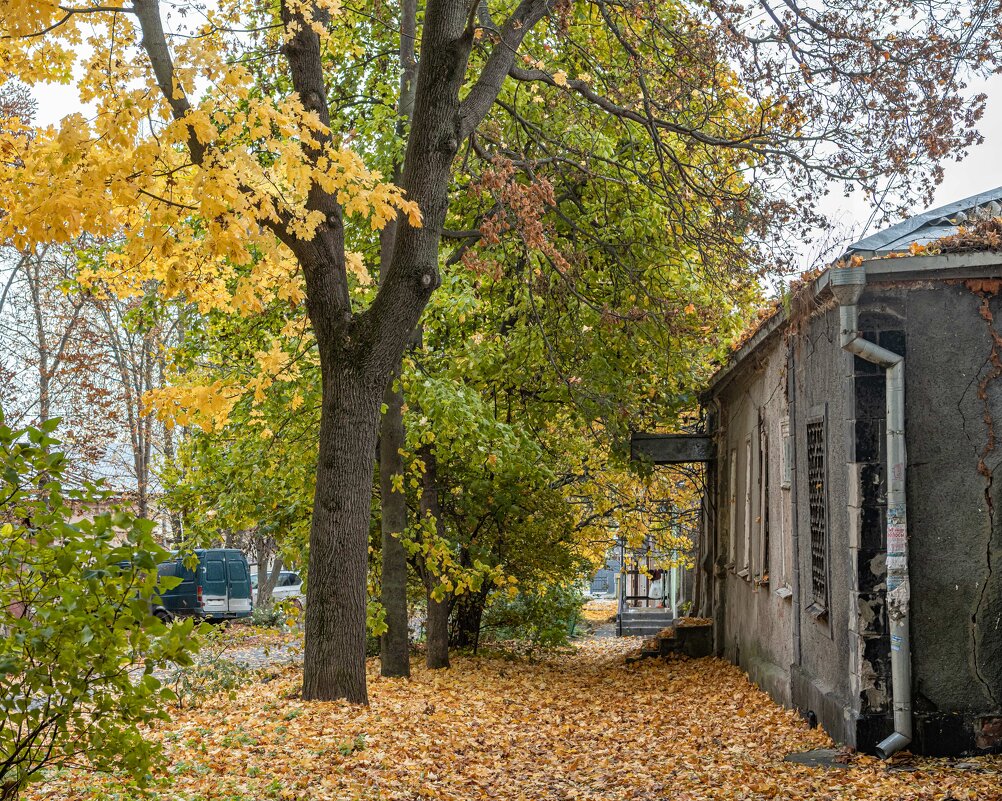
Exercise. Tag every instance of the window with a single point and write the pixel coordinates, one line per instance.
(214, 571)
(787, 453)
(763, 502)
(236, 571)
(817, 496)
(746, 552)
(732, 508)
(785, 510)
(166, 569)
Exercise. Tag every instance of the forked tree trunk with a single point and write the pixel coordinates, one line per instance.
(359, 352)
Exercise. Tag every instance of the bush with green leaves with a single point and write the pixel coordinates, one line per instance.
(79, 647)
(213, 673)
(543, 616)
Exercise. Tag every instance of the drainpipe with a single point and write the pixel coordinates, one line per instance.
(847, 285)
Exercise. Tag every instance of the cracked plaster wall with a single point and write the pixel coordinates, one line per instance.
(953, 402)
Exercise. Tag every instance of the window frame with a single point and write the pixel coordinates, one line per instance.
(819, 514)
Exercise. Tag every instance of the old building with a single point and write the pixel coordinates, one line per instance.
(829, 572)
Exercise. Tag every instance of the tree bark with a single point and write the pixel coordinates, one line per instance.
(469, 619)
(437, 634)
(394, 649)
(334, 656)
(437, 624)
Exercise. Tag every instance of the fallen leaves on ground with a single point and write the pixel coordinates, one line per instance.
(243, 635)
(599, 611)
(576, 725)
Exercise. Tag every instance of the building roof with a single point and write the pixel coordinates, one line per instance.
(921, 229)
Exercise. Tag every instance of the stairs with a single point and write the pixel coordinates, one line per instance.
(644, 622)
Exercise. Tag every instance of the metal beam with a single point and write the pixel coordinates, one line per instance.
(672, 448)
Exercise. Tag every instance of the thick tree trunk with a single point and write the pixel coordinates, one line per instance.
(334, 657)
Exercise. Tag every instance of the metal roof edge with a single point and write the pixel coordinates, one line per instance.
(878, 240)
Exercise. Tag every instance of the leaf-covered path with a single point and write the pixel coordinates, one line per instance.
(578, 725)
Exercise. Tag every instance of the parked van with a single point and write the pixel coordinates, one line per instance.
(218, 588)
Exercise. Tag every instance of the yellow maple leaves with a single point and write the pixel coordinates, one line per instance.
(202, 204)
(578, 723)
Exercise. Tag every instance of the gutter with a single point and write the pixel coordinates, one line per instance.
(847, 285)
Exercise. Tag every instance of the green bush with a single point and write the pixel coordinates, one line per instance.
(213, 673)
(546, 618)
(269, 616)
(79, 646)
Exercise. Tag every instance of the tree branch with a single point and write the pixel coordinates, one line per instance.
(500, 62)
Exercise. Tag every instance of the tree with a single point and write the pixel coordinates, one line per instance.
(226, 182)
(79, 647)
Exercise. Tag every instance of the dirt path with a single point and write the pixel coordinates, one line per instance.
(578, 725)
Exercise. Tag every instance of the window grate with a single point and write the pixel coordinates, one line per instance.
(817, 494)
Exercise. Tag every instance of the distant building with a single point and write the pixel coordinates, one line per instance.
(832, 568)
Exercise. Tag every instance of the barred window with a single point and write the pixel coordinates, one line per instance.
(817, 494)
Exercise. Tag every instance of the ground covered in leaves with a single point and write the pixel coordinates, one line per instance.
(579, 724)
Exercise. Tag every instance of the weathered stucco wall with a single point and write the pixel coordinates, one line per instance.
(823, 389)
(954, 403)
(757, 622)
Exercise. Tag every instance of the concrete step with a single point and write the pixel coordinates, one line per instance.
(643, 629)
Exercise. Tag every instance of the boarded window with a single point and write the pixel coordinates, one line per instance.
(817, 494)
(763, 504)
(732, 507)
(746, 551)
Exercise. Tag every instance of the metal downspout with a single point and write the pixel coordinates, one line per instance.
(847, 285)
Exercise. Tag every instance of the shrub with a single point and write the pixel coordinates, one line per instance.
(548, 617)
(270, 616)
(213, 673)
(79, 646)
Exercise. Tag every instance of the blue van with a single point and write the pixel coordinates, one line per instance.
(219, 587)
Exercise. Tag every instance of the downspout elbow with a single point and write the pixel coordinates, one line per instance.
(847, 286)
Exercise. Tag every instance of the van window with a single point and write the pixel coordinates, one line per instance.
(214, 571)
(237, 571)
(166, 569)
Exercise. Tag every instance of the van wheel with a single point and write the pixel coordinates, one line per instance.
(298, 604)
(164, 616)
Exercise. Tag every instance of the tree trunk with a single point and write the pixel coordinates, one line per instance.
(437, 625)
(437, 633)
(266, 579)
(394, 648)
(469, 618)
(395, 643)
(334, 657)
